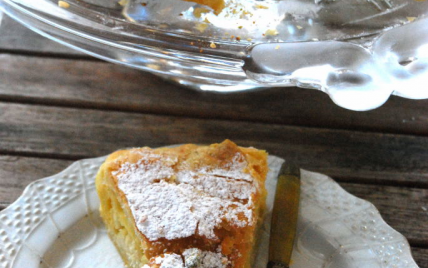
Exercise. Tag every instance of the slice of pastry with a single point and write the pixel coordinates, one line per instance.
(189, 206)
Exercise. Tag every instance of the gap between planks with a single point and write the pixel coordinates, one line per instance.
(56, 103)
(338, 176)
(72, 134)
(372, 178)
(108, 87)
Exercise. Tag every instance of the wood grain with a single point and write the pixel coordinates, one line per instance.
(18, 39)
(98, 85)
(409, 216)
(421, 256)
(17, 172)
(68, 133)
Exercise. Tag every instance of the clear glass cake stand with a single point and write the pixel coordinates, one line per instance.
(357, 51)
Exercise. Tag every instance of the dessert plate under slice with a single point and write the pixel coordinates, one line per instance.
(55, 224)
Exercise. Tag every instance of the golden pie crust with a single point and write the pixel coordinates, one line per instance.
(158, 204)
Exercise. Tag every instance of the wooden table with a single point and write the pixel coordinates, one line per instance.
(57, 106)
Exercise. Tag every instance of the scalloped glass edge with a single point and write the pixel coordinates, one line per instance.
(335, 228)
(358, 74)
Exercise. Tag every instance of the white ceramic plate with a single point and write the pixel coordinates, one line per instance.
(55, 224)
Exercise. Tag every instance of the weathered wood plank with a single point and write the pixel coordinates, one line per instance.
(17, 172)
(421, 256)
(15, 37)
(106, 86)
(74, 133)
(405, 209)
(380, 177)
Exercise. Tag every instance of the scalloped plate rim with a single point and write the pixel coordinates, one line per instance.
(329, 180)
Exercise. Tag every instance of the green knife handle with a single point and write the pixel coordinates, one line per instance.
(284, 216)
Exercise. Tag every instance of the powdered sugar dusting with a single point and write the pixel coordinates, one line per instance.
(196, 258)
(171, 205)
(168, 261)
(233, 169)
(148, 169)
(193, 258)
(221, 187)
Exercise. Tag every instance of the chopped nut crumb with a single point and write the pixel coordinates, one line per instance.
(261, 6)
(271, 32)
(63, 4)
(201, 27)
